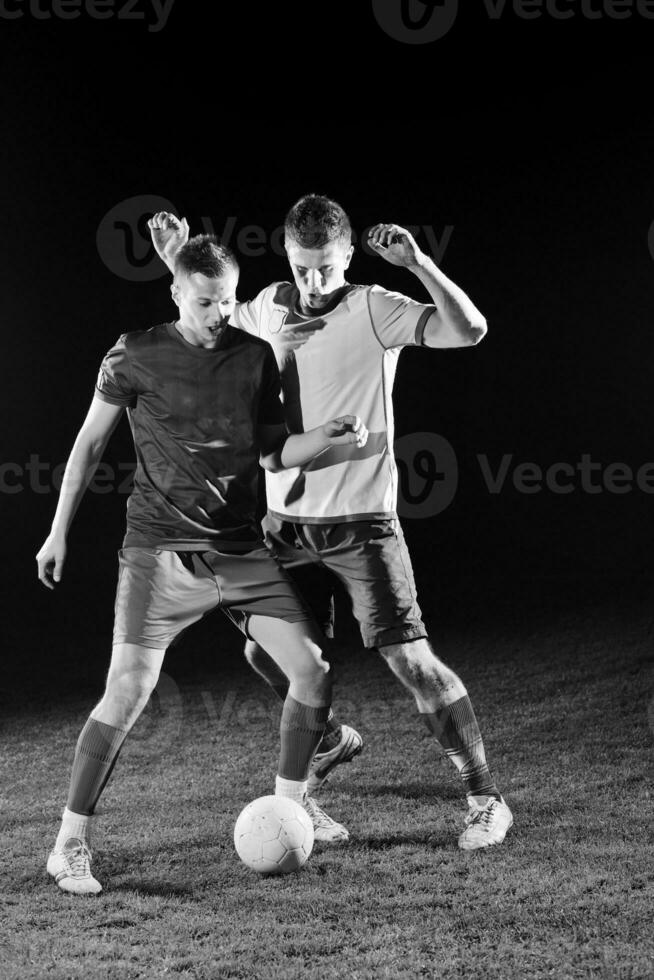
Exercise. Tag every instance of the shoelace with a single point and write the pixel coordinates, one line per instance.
(78, 861)
(318, 816)
(484, 815)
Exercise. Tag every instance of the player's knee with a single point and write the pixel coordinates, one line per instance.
(414, 663)
(309, 666)
(129, 692)
(402, 658)
(316, 671)
(312, 688)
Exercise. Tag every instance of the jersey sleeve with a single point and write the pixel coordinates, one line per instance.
(247, 316)
(115, 381)
(397, 320)
(271, 410)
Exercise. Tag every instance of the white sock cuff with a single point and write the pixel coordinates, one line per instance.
(73, 825)
(82, 818)
(291, 789)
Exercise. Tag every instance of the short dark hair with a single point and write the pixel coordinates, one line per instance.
(315, 220)
(205, 254)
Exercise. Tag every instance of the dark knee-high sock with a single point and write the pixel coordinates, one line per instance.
(300, 729)
(332, 732)
(95, 757)
(331, 735)
(455, 726)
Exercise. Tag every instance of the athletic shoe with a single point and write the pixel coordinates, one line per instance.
(349, 746)
(324, 828)
(71, 868)
(487, 822)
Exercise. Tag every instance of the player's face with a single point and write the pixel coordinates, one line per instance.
(318, 272)
(205, 305)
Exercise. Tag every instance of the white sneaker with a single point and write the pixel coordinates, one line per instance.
(349, 746)
(324, 828)
(487, 822)
(71, 868)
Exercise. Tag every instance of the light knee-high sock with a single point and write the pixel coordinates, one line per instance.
(455, 726)
(301, 730)
(95, 757)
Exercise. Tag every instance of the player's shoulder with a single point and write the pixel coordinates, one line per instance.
(383, 302)
(377, 292)
(241, 338)
(360, 294)
(136, 340)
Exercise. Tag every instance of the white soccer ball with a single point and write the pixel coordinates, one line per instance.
(273, 835)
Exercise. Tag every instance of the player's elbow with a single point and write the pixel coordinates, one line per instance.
(477, 330)
(271, 460)
(91, 443)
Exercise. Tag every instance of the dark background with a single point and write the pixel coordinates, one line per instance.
(531, 138)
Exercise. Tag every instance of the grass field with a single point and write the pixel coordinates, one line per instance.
(564, 695)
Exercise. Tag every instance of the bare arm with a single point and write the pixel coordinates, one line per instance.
(456, 322)
(168, 233)
(86, 453)
(281, 451)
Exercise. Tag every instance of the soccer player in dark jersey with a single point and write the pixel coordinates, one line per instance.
(203, 400)
(331, 339)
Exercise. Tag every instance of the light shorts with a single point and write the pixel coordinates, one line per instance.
(372, 561)
(162, 592)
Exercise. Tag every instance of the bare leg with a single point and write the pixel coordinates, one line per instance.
(295, 652)
(444, 704)
(431, 682)
(296, 649)
(133, 675)
(266, 668)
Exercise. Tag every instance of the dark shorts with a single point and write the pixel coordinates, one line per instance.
(371, 560)
(161, 592)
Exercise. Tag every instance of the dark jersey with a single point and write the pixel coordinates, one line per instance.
(193, 414)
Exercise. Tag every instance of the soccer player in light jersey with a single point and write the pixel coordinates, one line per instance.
(335, 341)
(203, 400)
